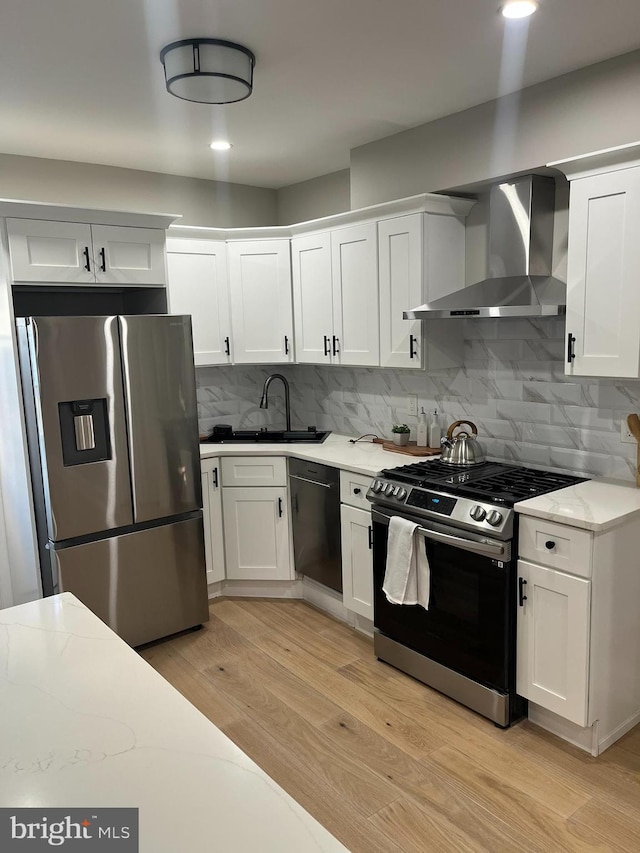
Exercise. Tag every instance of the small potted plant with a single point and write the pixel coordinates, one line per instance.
(400, 434)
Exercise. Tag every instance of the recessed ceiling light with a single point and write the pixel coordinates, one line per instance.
(220, 145)
(519, 8)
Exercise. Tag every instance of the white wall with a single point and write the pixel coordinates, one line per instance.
(593, 108)
(200, 202)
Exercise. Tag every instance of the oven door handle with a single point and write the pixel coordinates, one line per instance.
(488, 548)
(476, 546)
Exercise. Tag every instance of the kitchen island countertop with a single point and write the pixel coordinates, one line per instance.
(593, 505)
(337, 450)
(86, 723)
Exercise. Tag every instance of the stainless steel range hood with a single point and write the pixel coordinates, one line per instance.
(520, 283)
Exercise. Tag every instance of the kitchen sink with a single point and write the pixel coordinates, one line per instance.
(268, 436)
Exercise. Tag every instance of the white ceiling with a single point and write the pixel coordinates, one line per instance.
(81, 79)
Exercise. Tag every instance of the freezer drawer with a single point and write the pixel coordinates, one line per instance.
(144, 585)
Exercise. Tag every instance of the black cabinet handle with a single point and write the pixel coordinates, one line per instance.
(370, 538)
(357, 491)
(87, 264)
(570, 342)
(227, 346)
(336, 345)
(522, 583)
(280, 507)
(412, 351)
(327, 345)
(215, 477)
(103, 260)
(550, 544)
(286, 345)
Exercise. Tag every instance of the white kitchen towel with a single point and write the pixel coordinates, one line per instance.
(407, 576)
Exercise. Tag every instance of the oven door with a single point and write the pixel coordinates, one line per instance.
(469, 626)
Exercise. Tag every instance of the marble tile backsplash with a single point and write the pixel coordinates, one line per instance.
(512, 386)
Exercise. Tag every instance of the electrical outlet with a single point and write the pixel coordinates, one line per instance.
(625, 434)
(412, 404)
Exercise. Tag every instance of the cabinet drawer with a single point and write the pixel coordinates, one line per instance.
(353, 489)
(254, 471)
(555, 545)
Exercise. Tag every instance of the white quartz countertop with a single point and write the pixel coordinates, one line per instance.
(86, 722)
(337, 450)
(593, 505)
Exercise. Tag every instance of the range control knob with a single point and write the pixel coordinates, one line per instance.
(388, 489)
(401, 493)
(494, 518)
(477, 513)
(376, 486)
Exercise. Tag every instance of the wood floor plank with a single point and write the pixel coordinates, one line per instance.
(290, 623)
(409, 770)
(440, 801)
(601, 815)
(299, 778)
(542, 826)
(594, 776)
(192, 684)
(421, 830)
(415, 739)
(362, 787)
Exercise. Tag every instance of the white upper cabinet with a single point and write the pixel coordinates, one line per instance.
(354, 262)
(260, 294)
(313, 298)
(54, 252)
(421, 258)
(124, 255)
(76, 253)
(197, 284)
(603, 296)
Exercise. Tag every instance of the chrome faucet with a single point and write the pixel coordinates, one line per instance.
(264, 400)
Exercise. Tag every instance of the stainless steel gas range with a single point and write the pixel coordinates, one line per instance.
(464, 644)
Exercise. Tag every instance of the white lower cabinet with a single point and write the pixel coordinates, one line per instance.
(257, 529)
(553, 640)
(256, 533)
(357, 561)
(357, 543)
(213, 528)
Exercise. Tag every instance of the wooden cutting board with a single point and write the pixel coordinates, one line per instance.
(408, 449)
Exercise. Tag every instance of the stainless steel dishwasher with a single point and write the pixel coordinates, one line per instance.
(315, 510)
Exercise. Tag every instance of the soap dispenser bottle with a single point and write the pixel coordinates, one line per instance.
(422, 433)
(435, 433)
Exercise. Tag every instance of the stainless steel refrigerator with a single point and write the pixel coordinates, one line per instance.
(110, 405)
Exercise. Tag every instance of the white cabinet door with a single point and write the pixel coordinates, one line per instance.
(603, 296)
(212, 512)
(400, 257)
(261, 310)
(312, 298)
(553, 641)
(354, 262)
(256, 533)
(52, 252)
(357, 561)
(197, 280)
(124, 255)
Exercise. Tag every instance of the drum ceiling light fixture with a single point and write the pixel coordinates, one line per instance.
(208, 71)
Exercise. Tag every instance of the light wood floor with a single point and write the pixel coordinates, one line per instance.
(385, 763)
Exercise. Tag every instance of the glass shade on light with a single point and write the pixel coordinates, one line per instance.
(208, 71)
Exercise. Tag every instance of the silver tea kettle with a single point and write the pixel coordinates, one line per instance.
(462, 449)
